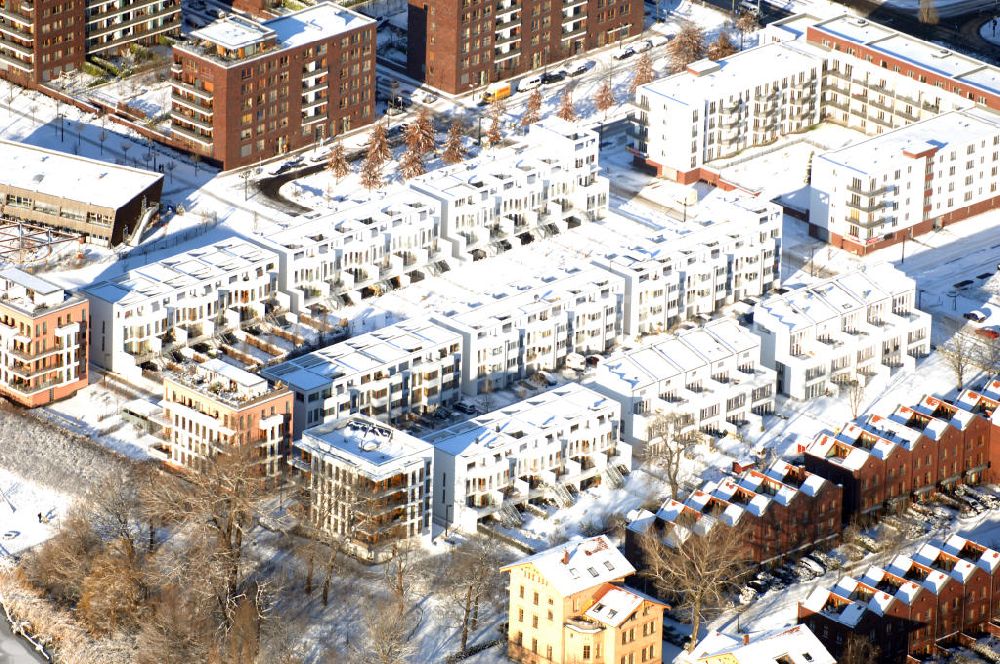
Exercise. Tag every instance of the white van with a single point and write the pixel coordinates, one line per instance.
(530, 82)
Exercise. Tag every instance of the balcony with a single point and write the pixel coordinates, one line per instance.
(873, 191)
(510, 39)
(187, 87)
(572, 34)
(18, 17)
(869, 207)
(191, 135)
(193, 104)
(197, 122)
(500, 56)
(23, 388)
(506, 25)
(17, 48)
(94, 47)
(9, 28)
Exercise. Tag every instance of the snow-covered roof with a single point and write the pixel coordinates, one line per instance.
(374, 448)
(983, 556)
(881, 153)
(639, 520)
(386, 348)
(534, 418)
(793, 645)
(71, 177)
(614, 606)
(579, 564)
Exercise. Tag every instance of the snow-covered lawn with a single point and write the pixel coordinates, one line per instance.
(21, 503)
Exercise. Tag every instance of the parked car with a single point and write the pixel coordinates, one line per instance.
(530, 82)
(547, 379)
(466, 408)
(977, 315)
(554, 76)
(643, 46)
(424, 97)
(624, 52)
(579, 68)
(988, 333)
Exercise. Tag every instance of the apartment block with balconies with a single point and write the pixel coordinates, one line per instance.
(908, 181)
(542, 449)
(459, 45)
(245, 90)
(43, 340)
(178, 300)
(43, 39)
(399, 371)
(369, 484)
(215, 408)
(531, 326)
(706, 379)
(541, 186)
(359, 251)
(852, 327)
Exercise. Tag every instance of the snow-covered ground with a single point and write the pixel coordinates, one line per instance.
(29, 513)
(990, 31)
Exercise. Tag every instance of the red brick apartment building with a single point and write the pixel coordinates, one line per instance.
(41, 39)
(43, 340)
(883, 461)
(458, 45)
(946, 594)
(244, 91)
(782, 512)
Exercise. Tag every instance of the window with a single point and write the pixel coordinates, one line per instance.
(586, 652)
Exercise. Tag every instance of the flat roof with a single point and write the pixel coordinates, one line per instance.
(29, 281)
(233, 32)
(72, 177)
(882, 152)
(740, 71)
(926, 55)
(367, 444)
(320, 21)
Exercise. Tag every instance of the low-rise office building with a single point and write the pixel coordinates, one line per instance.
(214, 408)
(369, 484)
(178, 300)
(705, 379)
(102, 202)
(907, 182)
(43, 340)
(407, 368)
(543, 448)
(543, 185)
(848, 328)
(245, 91)
(567, 604)
(532, 326)
(913, 605)
(729, 250)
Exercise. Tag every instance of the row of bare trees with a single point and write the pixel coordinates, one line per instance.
(966, 353)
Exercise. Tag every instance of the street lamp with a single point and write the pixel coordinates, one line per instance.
(246, 181)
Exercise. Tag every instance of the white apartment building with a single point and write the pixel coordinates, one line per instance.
(410, 367)
(908, 181)
(178, 300)
(845, 70)
(714, 110)
(530, 327)
(546, 184)
(729, 250)
(357, 251)
(710, 377)
(851, 327)
(368, 483)
(542, 448)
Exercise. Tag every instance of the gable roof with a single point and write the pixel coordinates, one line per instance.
(578, 564)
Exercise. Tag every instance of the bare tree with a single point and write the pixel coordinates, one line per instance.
(113, 593)
(959, 352)
(859, 650)
(454, 151)
(687, 47)
(745, 24)
(387, 638)
(412, 163)
(533, 109)
(420, 134)
(696, 574)
(643, 73)
(63, 562)
(378, 151)
(856, 396)
(605, 98)
(371, 173)
(337, 163)
(567, 110)
(497, 109)
(665, 447)
(401, 572)
(473, 579)
(987, 355)
(927, 13)
(722, 47)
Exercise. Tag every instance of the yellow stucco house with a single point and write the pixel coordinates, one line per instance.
(567, 606)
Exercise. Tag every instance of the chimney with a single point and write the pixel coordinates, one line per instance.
(565, 558)
(746, 639)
